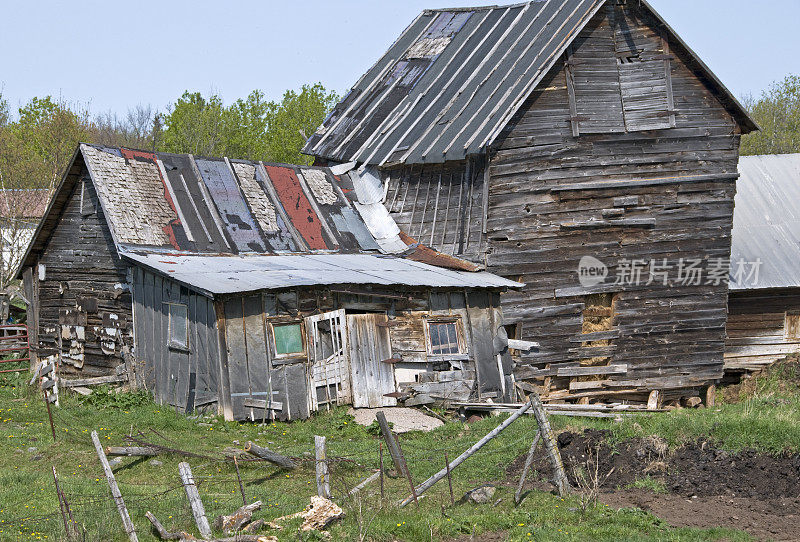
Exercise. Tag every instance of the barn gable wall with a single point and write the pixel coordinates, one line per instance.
(84, 299)
(617, 192)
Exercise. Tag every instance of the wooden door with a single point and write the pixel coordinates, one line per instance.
(329, 366)
(369, 346)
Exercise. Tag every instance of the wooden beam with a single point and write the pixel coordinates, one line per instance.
(112, 484)
(198, 510)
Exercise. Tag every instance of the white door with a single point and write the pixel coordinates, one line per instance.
(369, 349)
(329, 367)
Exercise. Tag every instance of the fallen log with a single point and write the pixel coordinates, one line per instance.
(183, 536)
(268, 455)
(145, 451)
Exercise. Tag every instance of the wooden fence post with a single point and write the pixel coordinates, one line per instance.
(198, 511)
(550, 445)
(112, 483)
(321, 456)
(526, 468)
(424, 486)
(396, 452)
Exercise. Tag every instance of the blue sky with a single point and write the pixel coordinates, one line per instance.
(114, 55)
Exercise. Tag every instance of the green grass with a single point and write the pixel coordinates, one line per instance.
(651, 484)
(29, 508)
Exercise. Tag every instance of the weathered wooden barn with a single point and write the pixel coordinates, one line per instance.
(250, 288)
(764, 301)
(580, 147)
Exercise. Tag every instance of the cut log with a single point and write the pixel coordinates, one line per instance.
(268, 455)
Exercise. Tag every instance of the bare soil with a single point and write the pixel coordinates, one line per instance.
(703, 485)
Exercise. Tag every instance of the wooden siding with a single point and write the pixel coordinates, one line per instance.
(84, 300)
(252, 371)
(761, 328)
(185, 378)
(633, 194)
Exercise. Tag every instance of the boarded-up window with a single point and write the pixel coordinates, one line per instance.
(792, 325)
(288, 339)
(178, 325)
(618, 75)
(444, 337)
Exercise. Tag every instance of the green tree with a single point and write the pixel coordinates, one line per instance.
(196, 125)
(777, 112)
(294, 119)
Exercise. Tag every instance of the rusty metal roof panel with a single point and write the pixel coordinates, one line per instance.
(227, 274)
(766, 223)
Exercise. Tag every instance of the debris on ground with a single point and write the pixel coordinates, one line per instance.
(480, 495)
(317, 515)
(403, 419)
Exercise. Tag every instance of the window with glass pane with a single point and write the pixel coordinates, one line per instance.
(443, 338)
(288, 339)
(178, 325)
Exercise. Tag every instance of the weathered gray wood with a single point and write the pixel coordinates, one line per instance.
(369, 344)
(550, 444)
(198, 510)
(95, 381)
(397, 454)
(130, 530)
(424, 486)
(321, 463)
(365, 482)
(131, 451)
(234, 522)
(268, 455)
(526, 468)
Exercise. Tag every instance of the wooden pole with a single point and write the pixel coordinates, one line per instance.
(239, 478)
(550, 445)
(424, 486)
(49, 414)
(380, 465)
(61, 505)
(396, 453)
(364, 483)
(198, 511)
(449, 479)
(112, 484)
(321, 455)
(528, 462)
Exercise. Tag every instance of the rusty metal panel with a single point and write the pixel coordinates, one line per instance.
(298, 207)
(232, 207)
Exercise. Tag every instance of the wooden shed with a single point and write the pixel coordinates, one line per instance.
(580, 147)
(257, 290)
(764, 300)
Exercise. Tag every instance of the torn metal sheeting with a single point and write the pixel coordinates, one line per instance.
(231, 274)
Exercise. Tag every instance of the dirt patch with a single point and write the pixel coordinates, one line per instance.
(702, 485)
(771, 519)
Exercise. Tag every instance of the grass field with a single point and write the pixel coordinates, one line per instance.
(29, 508)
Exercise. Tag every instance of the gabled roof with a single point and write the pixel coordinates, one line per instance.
(455, 77)
(766, 222)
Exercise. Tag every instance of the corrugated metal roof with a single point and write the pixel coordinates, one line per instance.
(217, 205)
(226, 274)
(766, 222)
(453, 80)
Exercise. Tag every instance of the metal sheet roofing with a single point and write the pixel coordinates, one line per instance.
(454, 79)
(227, 274)
(766, 222)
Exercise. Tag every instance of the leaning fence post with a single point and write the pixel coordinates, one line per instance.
(61, 506)
(198, 511)
(526, 468)
(426, 485)
(321, 456)
(112, 483)
(239, 478)
(396, 452)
